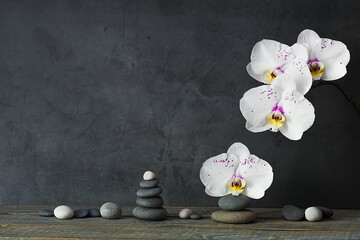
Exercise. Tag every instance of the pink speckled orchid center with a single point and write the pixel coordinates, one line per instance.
(236, 184)
(270, 75)
(276, 118)
(316, 68)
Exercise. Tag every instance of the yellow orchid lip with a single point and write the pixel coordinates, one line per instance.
(271, 75)
(317, 73)
(236, 186)
(277, 119)
(316, 68)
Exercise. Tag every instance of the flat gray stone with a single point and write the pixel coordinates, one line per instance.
(149, 192)
(94, 212)
(149, 183)
(326, 212)
(292, 213)
(81, 213)
(195, 216)
(234, 203)
(153, 214)
(152, 202)
(245, 216)
(110, 210)
(46, 213)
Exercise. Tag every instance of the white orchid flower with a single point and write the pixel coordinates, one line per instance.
(270, 59)
(278, 107)
(235, 172)
(327, 58)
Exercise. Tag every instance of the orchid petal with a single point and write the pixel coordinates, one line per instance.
(284, 82)
(255, 70)
(258, 175)
(299, 71)
(268, 54)
(306, 37)
(239, 150)
(208, 192)
(325, 48)
(341, 72)
(256, 129)
(300, 51)
(299, 112)
(335, 62)
(257, 103)
(216, 171)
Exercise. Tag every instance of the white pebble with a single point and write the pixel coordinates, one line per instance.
(313, 214)
(185, 213)
(149, 175)
(63, 212)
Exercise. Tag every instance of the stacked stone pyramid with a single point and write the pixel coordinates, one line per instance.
(149, 202)
(234, 210)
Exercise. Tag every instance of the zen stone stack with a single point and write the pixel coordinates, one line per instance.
(234, 210)
(149, 202)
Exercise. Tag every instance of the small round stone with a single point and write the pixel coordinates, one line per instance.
(63, 212)
(93, 212)
(81, 213)
(234, 203)
(313, 214)
(326, 212)
(149, 213)
(244, 216)
(185, 213)
(149, 183)
(152, 202)
(292, 213)
(195, 216)
(149, 175)
(110, 210)
(46, 213)
(149, 192)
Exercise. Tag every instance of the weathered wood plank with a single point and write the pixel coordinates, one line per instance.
(23, 222)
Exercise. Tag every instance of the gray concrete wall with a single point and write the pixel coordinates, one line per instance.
(93, 93)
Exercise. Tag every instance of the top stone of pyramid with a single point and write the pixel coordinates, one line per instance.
(149, 175)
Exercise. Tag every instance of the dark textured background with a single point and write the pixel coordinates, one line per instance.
(93, 93)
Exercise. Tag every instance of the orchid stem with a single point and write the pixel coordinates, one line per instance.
(334, 84)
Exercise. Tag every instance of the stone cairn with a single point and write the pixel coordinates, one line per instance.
(234, 210)
(149, 202)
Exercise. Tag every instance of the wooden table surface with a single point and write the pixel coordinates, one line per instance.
(23, 222)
